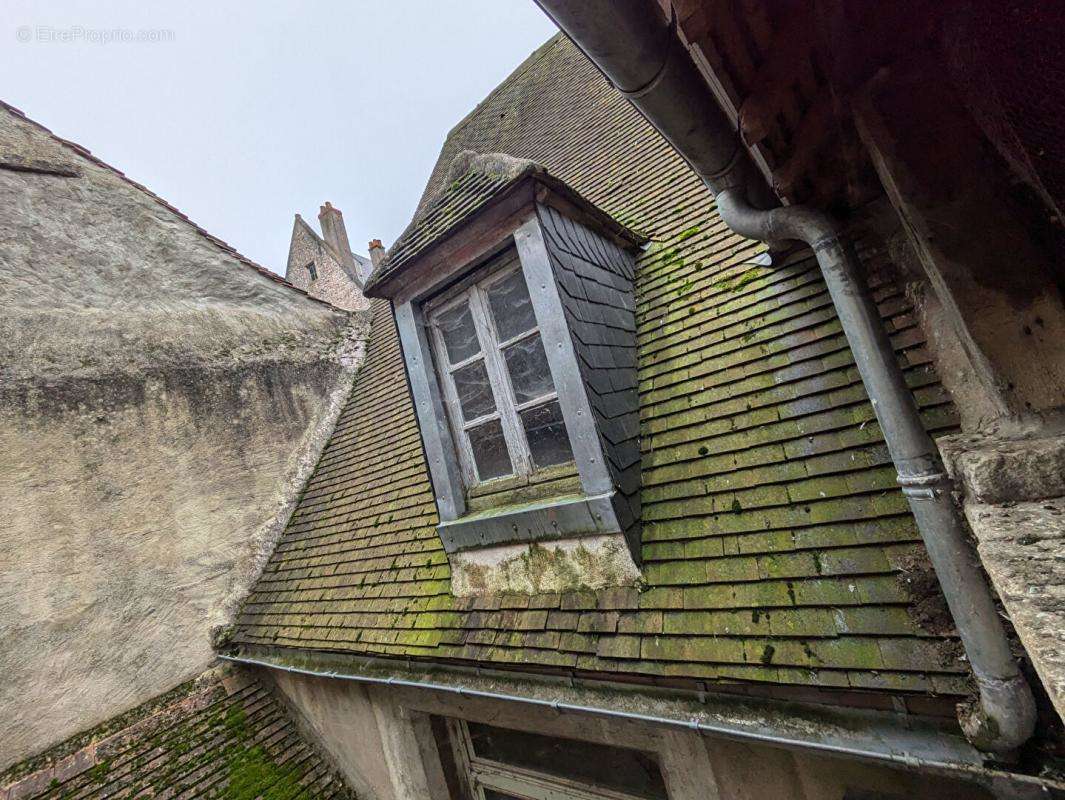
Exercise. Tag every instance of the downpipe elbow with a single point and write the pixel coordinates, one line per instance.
(1002, 718)
(776, 225)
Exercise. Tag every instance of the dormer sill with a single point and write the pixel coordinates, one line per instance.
(565, 517)
(566, 543)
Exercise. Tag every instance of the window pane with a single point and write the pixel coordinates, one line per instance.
(619, 768)
(474, 390)
(492, 794)
(527, 365)
(511, 308)
(460, 336)
(490, 450)
(546, 432)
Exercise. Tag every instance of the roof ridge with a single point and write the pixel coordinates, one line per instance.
(84, 152)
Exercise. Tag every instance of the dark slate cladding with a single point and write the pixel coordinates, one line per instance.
(596, 281)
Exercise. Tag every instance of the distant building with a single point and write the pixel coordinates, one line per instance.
(324, 266)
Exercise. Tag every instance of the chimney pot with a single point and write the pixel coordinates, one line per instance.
(377, 252)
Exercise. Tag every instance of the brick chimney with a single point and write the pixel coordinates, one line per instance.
(336, 235)
(377, 252)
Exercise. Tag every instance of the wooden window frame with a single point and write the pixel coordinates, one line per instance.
(479, 773)
(595, 509)
(507, 410)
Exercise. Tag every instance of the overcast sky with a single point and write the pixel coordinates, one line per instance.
(243, 113)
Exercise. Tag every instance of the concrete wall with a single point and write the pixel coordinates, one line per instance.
(378, 737)
(161, 403)
(333, 283)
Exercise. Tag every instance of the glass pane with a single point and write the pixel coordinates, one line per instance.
(511, 308)
(527, 365)
(492, 794)
(490, 450)
(546, 432)
(460, 336)
(619, 768)
(474, 390)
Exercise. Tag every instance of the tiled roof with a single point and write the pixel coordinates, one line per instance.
(217, 738)
(472, 181)
(777, 547)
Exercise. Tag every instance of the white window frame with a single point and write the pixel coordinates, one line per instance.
(507, 409)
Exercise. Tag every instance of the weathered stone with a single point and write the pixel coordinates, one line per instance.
(996, 470)
(326, 268)
(162, 401)
(1021, 547)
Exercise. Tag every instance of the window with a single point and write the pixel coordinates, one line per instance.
(523, 376)
(501, 764)
(500, 397)
(312, 271)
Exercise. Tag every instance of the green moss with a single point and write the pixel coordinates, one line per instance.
(235, 722)
(737, 507)
(98, 772)
(688, 233)
(737, 283)
(767, 654)
(253, 775)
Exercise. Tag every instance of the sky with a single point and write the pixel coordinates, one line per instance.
(242, 114)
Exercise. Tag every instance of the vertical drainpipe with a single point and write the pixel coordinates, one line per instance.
(642, 56)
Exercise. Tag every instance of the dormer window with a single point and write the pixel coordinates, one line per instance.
(514, 302)
(502, 402)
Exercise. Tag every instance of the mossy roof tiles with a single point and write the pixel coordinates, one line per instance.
(225, 739)
(776, 543)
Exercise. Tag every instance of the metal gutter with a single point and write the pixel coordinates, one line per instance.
(641, 54)
(889, 742)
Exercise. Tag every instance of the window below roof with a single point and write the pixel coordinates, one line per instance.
(501, 399)
(506, 764)
(312, 270)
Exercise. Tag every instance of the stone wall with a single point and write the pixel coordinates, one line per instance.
(332, 284)
(162, 400)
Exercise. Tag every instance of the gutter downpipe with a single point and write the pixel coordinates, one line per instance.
(641, 54)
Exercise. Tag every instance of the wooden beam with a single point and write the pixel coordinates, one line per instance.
(814, 132)
(769, 89)
(894, 175)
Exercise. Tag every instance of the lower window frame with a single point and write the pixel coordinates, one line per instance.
(479, 773)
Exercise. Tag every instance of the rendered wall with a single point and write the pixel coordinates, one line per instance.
(161, 403)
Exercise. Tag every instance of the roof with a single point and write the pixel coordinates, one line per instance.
(474, 181)
(777, 547)
(363, 264)
(225, 738)
(84, 152)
